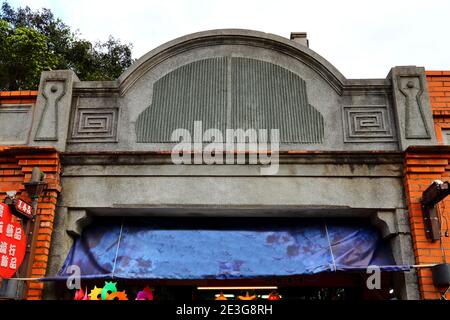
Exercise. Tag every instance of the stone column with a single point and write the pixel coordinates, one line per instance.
(412, 107)
(52, 111)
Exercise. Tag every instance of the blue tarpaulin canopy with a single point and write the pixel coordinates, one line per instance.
(155, 249)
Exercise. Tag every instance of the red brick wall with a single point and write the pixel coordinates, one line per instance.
(422, 166)
(439, 90)
(16, 164)
(18, 97)
(421, 169)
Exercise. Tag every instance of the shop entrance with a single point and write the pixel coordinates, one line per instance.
(231, 258)
(328, 286)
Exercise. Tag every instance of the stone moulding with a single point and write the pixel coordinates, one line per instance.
(367, 124)
(91, 124)
(156, 158)
(232, 37)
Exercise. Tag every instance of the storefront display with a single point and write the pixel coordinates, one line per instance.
(107, 292)
(146, 294)
(274, 296)
(247, 297)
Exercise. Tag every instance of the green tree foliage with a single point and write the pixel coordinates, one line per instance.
(35, 41)
(23, 55)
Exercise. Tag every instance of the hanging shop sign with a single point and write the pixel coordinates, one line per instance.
(12, 243)
(23, 209)
(19, 207)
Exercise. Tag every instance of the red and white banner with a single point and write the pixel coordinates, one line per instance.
(12, 243)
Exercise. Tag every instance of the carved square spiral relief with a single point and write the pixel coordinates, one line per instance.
(367, 124)
(95, 125)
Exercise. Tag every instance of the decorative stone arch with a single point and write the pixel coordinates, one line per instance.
(251, 38)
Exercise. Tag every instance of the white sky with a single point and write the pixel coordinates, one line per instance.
(362, 39)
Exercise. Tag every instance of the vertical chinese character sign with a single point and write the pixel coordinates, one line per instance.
(12, 243)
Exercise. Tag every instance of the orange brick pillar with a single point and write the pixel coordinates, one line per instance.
(16, 164)
(439, 90)
(423, 165)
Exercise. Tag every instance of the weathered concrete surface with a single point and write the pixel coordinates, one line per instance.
(15, 123)
(326, 181)
(232, 191)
